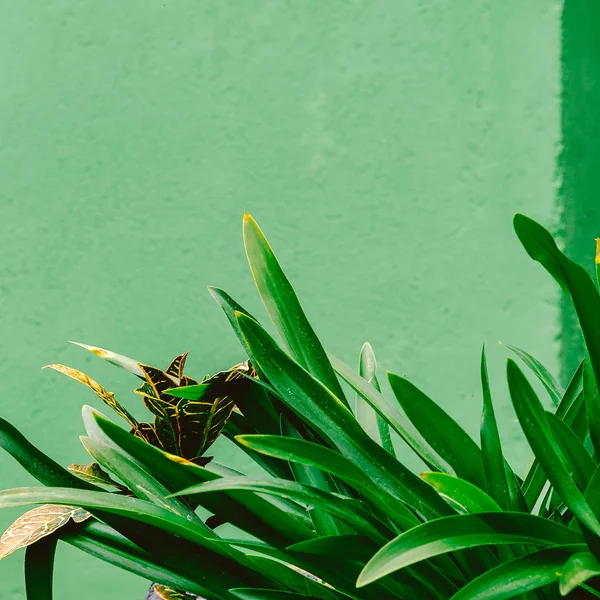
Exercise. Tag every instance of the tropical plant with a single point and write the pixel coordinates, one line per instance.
(336, 514)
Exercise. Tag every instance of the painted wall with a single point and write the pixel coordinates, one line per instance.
(383, 146)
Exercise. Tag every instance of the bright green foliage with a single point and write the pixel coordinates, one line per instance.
(336, 514)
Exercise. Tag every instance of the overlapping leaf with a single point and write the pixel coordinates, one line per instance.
(38, 523)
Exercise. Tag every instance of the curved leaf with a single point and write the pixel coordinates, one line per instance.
(375, 425)
(253, 594)
(391, 414)
(324, 523)
(591, 399)
(440, 430)
(569, 409)
(577, 570)
(458, 532)
(572, 278)
(461, 492)
(139, 481)
(113, 358)
(93, 473)
(332, 462)
(104, 543)
(548, 380)
(190, 392)
(350, 510)
(580, 462)
(500, 479)
(539, 434)
(38, 523)
(316, 404)
(104, 395)
(250, 513)
(284, 308)
(516, 577)
(35, 462)
(140, 510)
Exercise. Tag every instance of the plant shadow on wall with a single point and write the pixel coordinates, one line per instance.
(336, 514)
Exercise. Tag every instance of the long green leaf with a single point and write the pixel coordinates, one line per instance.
(35, 462)
(138, 480)
(495, 467)
(440, 430)
(264, 594)
(580, 462)
(50, 473)
(332, 462)
(391, 414)
(548, 380)
(577, 570)
(591, 398)
(104, 543)
(324, 522)
(571, 393)
(306, 396)
(423, 579)
(231, 564)
(516, 577)
(349, 510)
(375, 425)
(140, 510)
(39, 568)
(457, 532)
(461, 492)
(251, 513)
(573, 279)
(284, 308)
(569, 410)
(535, 426)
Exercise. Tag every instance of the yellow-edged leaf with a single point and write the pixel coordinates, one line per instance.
(94, 473)
(38, 523)
(104, 395)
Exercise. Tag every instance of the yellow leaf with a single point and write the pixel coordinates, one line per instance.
(38, 523)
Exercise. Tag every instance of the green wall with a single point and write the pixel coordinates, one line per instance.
(579, 159)
(382, 145)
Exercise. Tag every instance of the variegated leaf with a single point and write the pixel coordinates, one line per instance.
(38, 523)
(158, 380)
(161, 592)
(175, 369)
(201, 421)
(103, 394)
(94, 473)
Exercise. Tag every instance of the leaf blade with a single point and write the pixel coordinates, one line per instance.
(464, 531)
(440, 430)
(524, 574)
(535, 426)
(577, 570)
(284, 308)
(373, 423)
(318, 406)
(39, 569)
(548, 380)
(462, 492)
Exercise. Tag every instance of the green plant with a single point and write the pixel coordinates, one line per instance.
(337, 514)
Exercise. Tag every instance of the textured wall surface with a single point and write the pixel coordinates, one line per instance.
(383, 147)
